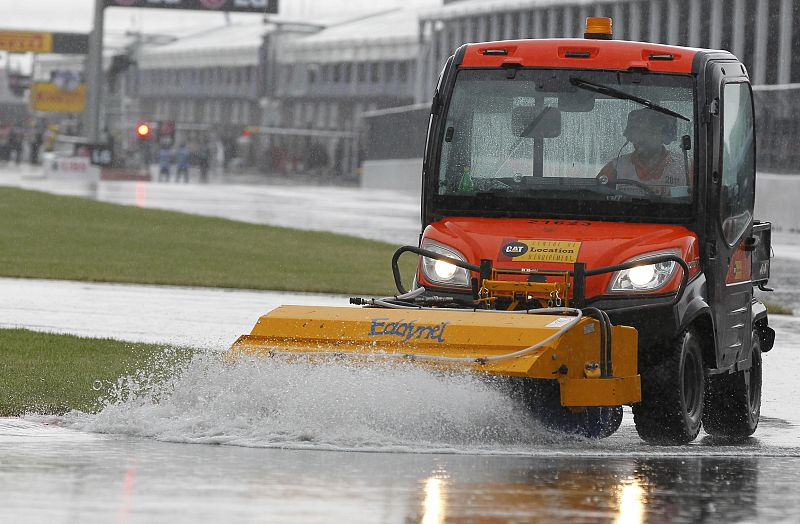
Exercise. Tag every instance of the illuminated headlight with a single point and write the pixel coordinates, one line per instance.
(442, 272)
(648, 277)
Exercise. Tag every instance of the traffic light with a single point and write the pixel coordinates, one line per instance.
(143, 130)
(166, 133)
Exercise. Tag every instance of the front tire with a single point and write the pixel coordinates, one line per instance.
(595, 422)
(673, 391)
(733, 401)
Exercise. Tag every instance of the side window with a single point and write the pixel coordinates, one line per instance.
(738, 161)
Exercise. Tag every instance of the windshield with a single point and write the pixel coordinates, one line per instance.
(569, 136)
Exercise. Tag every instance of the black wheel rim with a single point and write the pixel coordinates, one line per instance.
(692, 385)
(754, 383)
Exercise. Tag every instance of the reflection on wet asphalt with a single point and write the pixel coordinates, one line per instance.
(198, 317)
(104, 479)
(392, 216)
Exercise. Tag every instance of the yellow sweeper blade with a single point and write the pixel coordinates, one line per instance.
(373, 333)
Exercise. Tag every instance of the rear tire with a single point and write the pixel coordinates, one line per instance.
(673, 391)
(733, 401)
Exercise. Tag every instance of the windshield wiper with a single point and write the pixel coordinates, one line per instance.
(616, 93)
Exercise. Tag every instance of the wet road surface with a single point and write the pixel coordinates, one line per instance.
(197, 317)
(66, 477)
(256, 441)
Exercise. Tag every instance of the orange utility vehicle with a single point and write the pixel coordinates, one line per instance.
(588, 184)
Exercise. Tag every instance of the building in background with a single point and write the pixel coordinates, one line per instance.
(211, 86)
(325, 82)
(289, 97)
(282, 97)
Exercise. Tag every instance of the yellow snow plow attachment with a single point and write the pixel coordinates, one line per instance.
(594, 363)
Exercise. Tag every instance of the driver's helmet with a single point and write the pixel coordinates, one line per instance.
(646, 121)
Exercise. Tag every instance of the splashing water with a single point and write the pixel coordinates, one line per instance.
(274, 403)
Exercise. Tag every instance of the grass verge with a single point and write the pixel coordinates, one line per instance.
(777, 309)
(52, 374)
(69, 238)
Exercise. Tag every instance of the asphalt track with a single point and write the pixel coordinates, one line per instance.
(256, 441)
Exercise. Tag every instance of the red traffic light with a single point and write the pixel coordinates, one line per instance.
(143, 130)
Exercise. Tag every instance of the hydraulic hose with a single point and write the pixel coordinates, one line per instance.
(605, 339)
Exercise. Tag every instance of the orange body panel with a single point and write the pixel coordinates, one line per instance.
(741, 266)
(601, 243)
(603, 54)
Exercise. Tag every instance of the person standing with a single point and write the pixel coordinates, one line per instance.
(36, 144)
(203, 161)
(15, 144)
(164, 164)
(219, 157)
(182, 161)
(5, 142)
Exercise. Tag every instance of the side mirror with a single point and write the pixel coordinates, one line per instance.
(530, 122)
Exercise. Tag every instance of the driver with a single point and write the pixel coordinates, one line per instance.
(650, 163)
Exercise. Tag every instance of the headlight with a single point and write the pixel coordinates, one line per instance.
(442, 272)
(648, 277)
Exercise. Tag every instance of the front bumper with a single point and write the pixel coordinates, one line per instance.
(659, 322)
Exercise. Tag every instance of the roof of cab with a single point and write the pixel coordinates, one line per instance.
(574, 53)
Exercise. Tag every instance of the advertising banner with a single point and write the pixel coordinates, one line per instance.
(50, 98)
(38, 42)
(241, 6)
(26, 42)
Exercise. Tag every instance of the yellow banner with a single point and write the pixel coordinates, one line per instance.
(26, 42)
(559, 251)
(49, 98)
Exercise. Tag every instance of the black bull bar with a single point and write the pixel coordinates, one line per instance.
(579, 274)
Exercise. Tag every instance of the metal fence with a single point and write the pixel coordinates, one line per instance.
(778, 128)
(397, 133)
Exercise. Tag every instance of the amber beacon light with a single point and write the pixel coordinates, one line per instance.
(598, 28)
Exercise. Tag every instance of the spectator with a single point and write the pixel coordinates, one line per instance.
(164, 164)
(182, 160)
(204, 161)
(219, 157)
(5, 142)
(36, 143)
(15, 144)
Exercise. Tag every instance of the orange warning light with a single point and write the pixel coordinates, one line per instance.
(598, 28)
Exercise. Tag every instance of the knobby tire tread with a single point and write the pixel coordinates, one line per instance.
(659, 417)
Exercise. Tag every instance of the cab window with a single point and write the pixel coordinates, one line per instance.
(737, 191)
(597, 143)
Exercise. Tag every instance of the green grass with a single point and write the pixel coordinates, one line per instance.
(777, 309)
(52, 374)
(56, 237)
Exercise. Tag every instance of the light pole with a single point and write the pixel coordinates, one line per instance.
(94, 76)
